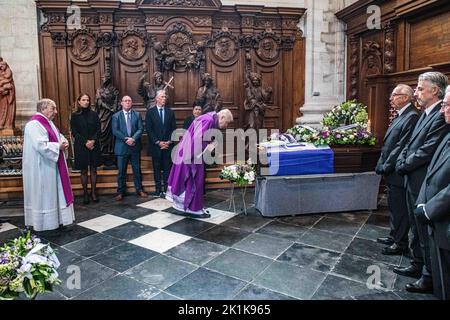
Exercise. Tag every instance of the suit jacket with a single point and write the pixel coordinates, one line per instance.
(157, 131)
(435, 194)
(119, 129)
(418, 152)
(394, 141)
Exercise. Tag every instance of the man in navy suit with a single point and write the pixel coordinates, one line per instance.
(413, 163)
(433, 209)
(160, 123)
(395, 140)
(127, 128)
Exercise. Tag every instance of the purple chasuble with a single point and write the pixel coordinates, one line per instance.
(62, 166)
(188, 170)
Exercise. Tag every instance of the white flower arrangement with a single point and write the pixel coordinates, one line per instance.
(240, 174)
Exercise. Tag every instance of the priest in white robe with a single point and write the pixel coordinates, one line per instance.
(48, 197)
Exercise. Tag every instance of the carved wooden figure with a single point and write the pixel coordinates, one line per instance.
(7, 98)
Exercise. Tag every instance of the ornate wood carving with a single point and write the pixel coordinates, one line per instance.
(227, 22)
(178, 3)
(224, 44)
(354, 67)
(155, 20)
(268, 45)
(59, 39)
(389, 47)
(83, 44)
(133, 43)
(372, 58)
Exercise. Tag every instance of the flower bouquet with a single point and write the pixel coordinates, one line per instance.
(27, 265)
(240, 174)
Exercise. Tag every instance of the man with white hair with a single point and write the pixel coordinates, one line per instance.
(187, 177)
(413, 163)
(395, 139)
(433, 209)
(47, 192)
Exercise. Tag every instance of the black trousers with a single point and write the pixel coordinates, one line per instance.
(163, 163)
(440, 263)
(420, 247)
(399, 220)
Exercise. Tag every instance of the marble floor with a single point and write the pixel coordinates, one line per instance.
(138, 249)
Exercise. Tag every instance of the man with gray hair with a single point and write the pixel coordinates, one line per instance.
(395, 139)
(412, 163)
(44, 168)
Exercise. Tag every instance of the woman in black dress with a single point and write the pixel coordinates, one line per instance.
(85, 126)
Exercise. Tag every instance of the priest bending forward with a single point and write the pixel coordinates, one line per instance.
(48, 198)
(187, 176)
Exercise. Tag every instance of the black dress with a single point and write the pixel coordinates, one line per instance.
(85, 126)
(188, 121)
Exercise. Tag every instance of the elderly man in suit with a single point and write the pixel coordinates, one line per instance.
(395, 140)
(413, 163)
(127, 128)
(160, 123)
(433, 209)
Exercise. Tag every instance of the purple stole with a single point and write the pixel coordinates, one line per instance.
(62, 166)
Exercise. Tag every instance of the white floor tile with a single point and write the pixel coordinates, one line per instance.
(160, 240)
(156, 204)
(104, 223)
(159, 219)
(6, 226)
(219, 216)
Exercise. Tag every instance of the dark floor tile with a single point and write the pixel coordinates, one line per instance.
(119, 288)
(263, 245)
(252, 292)
(282, 230)
(361, 269)
(339, 288)
(223, 235)
(355, 217)
(338, 226)
(66, 257)
(8, 235)
(190, 227)
(246, 222)
(82, 276)
(129, 231)
(239, 264)
(310, 257)
(196, 251)
(128, 211)
(301, 220)
(400, 290)
(85, 213)
(297, 282)
(327, 240)
(210, 201)
(93, 245)
(214, 286)
(73, 233)
(379, 296)
(372, 232)
(18, 221)
(164, 296)
(52, 295)
(372, 250)
(161, 271)
(379, 220)
(124, 257)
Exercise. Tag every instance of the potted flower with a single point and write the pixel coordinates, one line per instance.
(28, 266)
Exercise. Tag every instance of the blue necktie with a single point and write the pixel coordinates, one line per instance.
(128, 122)
(161, 115)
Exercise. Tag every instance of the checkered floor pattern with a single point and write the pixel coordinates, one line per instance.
(140, 249)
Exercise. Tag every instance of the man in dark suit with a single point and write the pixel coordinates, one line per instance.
(395, 140)
(127, 128)
(160, 123)
(413, 163)
(433, 209)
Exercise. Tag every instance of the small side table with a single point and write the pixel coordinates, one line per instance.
(233, 203)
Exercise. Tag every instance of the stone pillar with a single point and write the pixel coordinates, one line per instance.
(325, 59)
(19, 47)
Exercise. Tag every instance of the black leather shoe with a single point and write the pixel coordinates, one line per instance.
(410, 271)
(155, 193)
(387, 241)
(394, 250)
(162, 195)
(423, 285)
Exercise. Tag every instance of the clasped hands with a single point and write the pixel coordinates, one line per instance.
(90, 144)
(164, 145)
(130, 141)
(63, 145)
